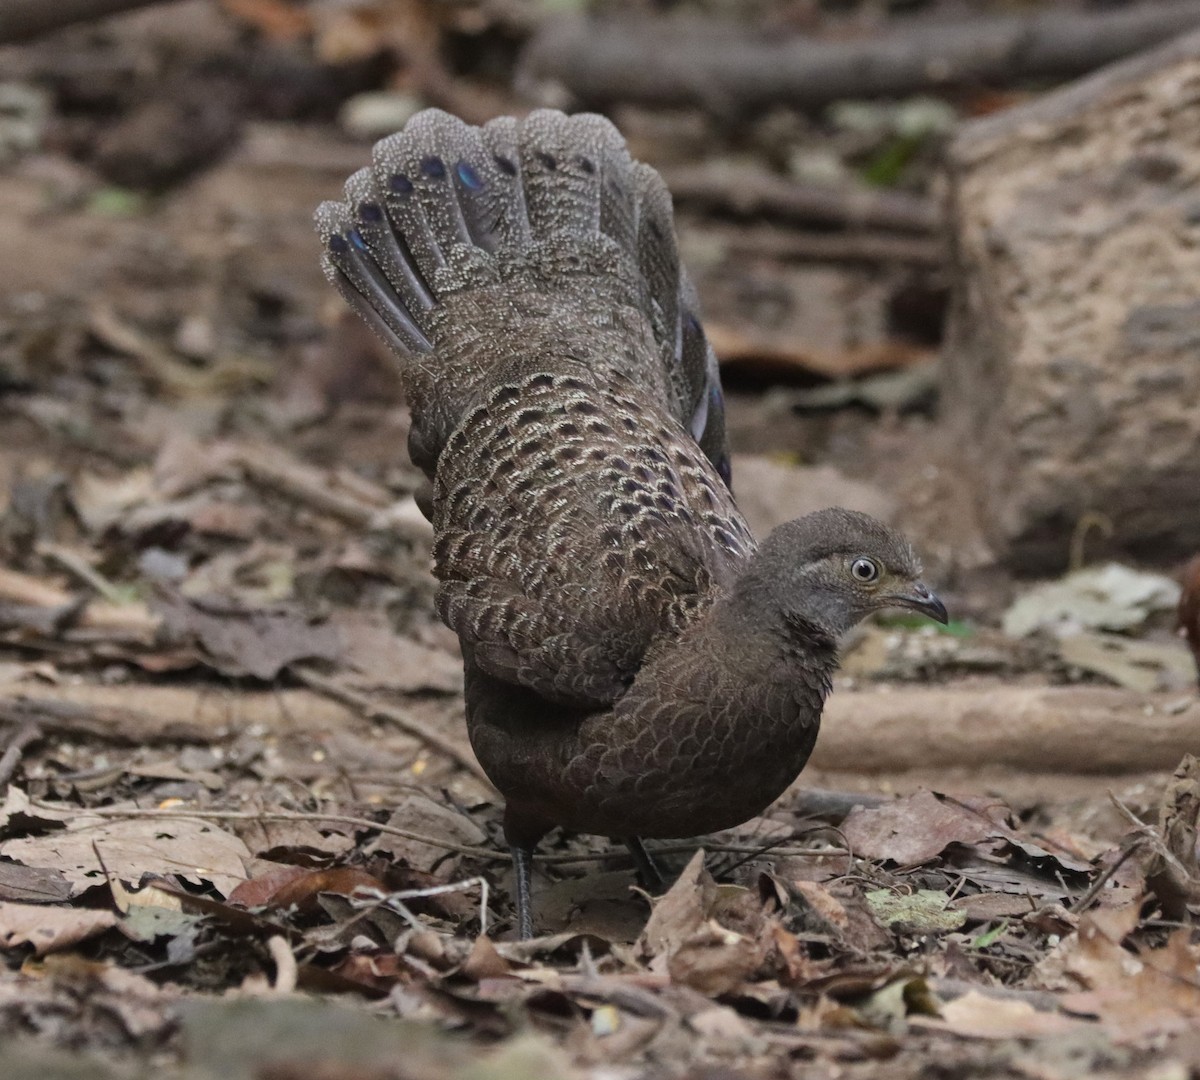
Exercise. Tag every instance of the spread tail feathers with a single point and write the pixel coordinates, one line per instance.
(446, 208)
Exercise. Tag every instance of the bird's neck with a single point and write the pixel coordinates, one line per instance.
(750, 613)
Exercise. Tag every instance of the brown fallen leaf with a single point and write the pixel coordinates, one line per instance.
(191, 849)
(684, 937)
(421, 814)
(379, 659)
(979, 1016)
(680, 912)
(918, 828)
(32, 884)
(48, 929)
(1137, 994)
(1173, 868)
(302, 892)
(259, 642)
(484, 962)
(256, 892)
(715, 960)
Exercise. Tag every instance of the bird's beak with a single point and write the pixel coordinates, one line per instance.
(920, 598)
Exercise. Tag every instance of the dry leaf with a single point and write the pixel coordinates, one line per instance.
(259, 642)
(919, 828)
(421, 814)
(978, 1016)
(194, 850)
(1138, 995)
(50, 928)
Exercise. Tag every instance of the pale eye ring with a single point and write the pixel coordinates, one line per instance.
(864, 570)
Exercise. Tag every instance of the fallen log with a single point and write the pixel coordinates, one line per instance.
(729, 69)
(1056, 729)
(21, 20)
(749, 192)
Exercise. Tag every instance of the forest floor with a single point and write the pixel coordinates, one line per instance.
(241, 830)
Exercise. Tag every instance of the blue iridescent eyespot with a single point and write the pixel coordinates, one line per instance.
(371, 212)
(434, 168)
(337, 244)
(469, 177)
(401, 184)
(356, 238)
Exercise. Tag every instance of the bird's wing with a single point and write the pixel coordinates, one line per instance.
(577, 523)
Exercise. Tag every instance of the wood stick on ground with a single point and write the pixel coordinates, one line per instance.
(132, 618)
(376, 710)
(730, 69)
(111, 723)
(24, 19)
(790, 245)
(24, 735)
(368, 506)
(432, 841)
(1067, 729)
(746, 191)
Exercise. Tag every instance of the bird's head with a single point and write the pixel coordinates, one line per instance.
(833, 568)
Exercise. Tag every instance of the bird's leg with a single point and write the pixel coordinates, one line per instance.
(648, 873)
(522, 858)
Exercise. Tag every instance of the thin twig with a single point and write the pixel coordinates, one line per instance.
(374, 710)
(373, 899)
(22, 737)
(287, 815)
(752, 192)
(420, 838)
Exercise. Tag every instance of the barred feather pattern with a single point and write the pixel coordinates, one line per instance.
(577, 523)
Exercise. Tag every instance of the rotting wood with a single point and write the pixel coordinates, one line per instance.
(730, 69)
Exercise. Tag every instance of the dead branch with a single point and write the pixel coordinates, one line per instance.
(433, 841)
(750, 192)
(112, 723)
(22, 737)
(377, 710)
(24, 19)
(729, 69)
(133, 619)
(367, 506)
(169, 713)
(787, 245)
(1065, 729)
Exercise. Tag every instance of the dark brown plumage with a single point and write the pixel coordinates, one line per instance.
(636, 665)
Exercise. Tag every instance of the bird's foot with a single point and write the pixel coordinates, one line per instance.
(648, 872)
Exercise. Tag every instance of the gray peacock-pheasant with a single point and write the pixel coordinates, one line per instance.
(636, 665)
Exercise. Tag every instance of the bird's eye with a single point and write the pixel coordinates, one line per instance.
(864, 569)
